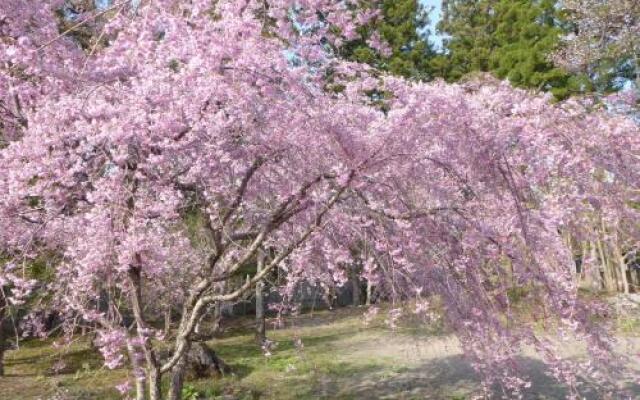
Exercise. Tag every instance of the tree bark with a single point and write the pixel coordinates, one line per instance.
(177, 376)
(155, 381)
(637, 69)
(609, 282)
(260, 318)
(167, 321)
(635, 281)
(6, 330)
(139, 374)
(622, 265)
(2, 346)
(355, 287)
(216, 327)
(583, 276)
(2, 335)
(594, 270)
(153, 368)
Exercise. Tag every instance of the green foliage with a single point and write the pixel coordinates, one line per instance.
(469, 29)
(517, 293)
(513, 39)
(404, 27)
(628, 325)
(190, 393)
(41, 269)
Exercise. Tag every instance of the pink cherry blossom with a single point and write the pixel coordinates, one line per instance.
(159, 164)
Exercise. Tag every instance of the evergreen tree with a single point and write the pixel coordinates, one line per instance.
(527, 32)
(513, 39)
(402, 29)
(469, 29)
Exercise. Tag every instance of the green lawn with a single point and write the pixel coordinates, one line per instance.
(317, 369)
(340, 358)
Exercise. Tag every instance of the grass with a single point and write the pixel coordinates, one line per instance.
(290, 372)
(340, 358)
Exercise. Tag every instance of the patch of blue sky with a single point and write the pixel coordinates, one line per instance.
(102, 4)
(434, 17)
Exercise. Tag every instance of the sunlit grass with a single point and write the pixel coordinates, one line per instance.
(290, 372)
(324, 355)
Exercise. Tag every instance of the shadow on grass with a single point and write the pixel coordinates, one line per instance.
(241, 370)
(248, 349)
(308, 319)
(12, 361)
(21, 375)
(446, 378)
(42, 363)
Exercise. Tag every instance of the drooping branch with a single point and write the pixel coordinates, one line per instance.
(233, 207)
(187, 329)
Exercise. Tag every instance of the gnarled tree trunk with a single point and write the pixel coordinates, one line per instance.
(198, 361)
(177, 377)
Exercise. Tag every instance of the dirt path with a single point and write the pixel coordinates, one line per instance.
(341, 359)
(434, 368)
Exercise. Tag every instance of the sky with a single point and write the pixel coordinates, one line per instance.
(435, 17)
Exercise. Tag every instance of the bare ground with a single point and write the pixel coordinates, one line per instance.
(341, 358)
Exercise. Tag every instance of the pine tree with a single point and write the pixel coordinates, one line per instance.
(527, 32)
(468, 27)
(513, 39)
(403, 26)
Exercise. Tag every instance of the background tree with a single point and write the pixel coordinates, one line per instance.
(604, 41)
(511, 39)
(468, 27)
(527, 32)
(459, 192)
(396, 40)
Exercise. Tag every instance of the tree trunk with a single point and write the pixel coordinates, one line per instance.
(583, 276)
(167, 321)
(177, 377)
(216, 326)
(355, 287)
(2, 338)
(153, 369)
(141, 388)
(369, 291)
(138, 373)
(197, 330)
(2, 346)
(622, 265)
(155, 380)
(637, 70)
(260, 318)
(594, 270)
(609, 282)
(635, 281)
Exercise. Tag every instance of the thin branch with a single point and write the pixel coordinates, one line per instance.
(189, 324)
(257, 163)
